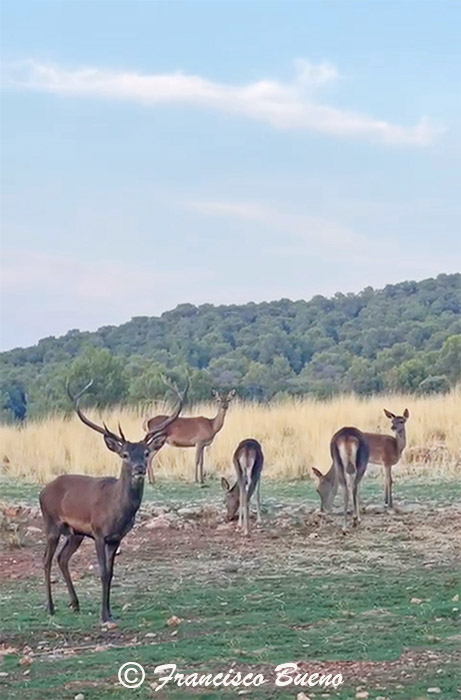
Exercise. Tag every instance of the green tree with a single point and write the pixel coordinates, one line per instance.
(110, 384)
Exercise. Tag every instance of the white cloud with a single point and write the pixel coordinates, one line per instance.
(293, 231)
(283, 105)
(294, 235)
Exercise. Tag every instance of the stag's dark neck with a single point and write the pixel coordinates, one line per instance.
(130, 491)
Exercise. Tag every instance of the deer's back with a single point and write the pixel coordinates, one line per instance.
(248, 453)
(383, 448)
(183, 432)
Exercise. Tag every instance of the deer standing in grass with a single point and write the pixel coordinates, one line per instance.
(387, 449)
(350, 453)
(103, 509)
(248, 461)
(197, 431)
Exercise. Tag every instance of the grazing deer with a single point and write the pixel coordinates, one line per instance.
(248, 461)
(387, 449)
(350, 453)
(197, 431)
(103, 509)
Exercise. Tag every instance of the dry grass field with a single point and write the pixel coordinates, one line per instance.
(295, 436)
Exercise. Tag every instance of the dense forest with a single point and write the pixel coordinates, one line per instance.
(404, 337)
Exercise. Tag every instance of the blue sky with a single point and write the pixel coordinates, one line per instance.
(155, 153)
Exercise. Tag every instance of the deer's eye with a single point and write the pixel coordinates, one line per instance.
(125, 455)
(146, 453)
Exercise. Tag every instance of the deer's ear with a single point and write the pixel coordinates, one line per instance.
(406, 414)
(388, 413)
(231, 394)
(112, 445)
(214, 394)
(317, 473)
(225, 484)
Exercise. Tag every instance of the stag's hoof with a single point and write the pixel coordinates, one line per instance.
(75, 606)
(50, 609)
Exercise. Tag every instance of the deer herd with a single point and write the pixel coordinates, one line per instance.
(104, 508)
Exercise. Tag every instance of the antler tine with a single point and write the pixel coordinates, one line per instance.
(75, 399)
(121, 432)
(94, 426)
(181, 398)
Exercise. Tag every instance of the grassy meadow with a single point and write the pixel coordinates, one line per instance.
(295, 435)
(380, 606)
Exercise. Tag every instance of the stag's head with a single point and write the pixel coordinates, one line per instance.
(325, 488)
(397, 422)
(231, 498)
(135, 455)
(223, 399)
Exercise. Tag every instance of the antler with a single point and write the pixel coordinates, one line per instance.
(181, 398)
(105, 430)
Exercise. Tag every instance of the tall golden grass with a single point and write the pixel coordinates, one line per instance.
(295, 435)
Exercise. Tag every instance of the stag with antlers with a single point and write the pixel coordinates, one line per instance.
(103, 509)
(196, 431)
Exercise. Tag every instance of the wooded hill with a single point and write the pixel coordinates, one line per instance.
(403, 337)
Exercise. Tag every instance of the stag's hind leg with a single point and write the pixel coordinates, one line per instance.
(71, 545)
(52, 539)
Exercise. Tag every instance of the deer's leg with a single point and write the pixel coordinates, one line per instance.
(241, 497)
(111, 550)
(258, 501)
(197, 462)
(246, 512)
(51, 544)
(105, 578)
(71, 545)
(345, 486)
(355, 498)
(388, 497)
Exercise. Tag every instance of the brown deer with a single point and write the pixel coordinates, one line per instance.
(248, 461)
(197, 431)
(387, 449)
(350, 453)
(103, 509)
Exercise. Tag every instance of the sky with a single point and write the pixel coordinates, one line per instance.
(156, 153)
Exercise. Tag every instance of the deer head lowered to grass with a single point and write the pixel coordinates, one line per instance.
(248, 460)
(350, 452)
(103, 509)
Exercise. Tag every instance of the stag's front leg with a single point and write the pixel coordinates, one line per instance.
(111, 551)
(105, 578)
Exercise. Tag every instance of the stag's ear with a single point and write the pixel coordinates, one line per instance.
(388, 413)
(112, 445)
(317, 473)
(406, 414)
(225, 484)
(231, 394)
(214, 394)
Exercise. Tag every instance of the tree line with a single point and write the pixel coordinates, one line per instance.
(405, 337)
